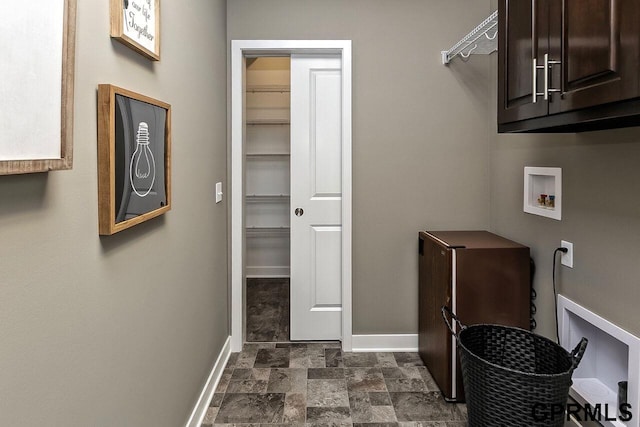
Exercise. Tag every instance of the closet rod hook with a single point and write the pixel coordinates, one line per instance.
(469, 52)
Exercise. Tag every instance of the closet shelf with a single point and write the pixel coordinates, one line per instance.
(252, 230)
(268, 154)
(267, 197)
(482, 40)
(258, 122)
(268, 88)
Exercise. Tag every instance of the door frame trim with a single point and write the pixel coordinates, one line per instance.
(239, 50)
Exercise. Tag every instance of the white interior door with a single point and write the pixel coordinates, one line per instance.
(316, 197)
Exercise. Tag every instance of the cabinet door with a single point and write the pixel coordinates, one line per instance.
(597, 42)
(522, 36)
(434, 341)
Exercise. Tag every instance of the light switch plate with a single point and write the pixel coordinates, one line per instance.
(218, 192)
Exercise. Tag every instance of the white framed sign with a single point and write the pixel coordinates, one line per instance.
(136, 23)
(37, 41)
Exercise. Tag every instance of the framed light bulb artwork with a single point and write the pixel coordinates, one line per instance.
(37, 40)
(136, 23)
(134, 158)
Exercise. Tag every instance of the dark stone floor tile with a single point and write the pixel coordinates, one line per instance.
(386, 360)
(246, 359)
(224, 380)
(424, 424)
(462, 409)
(250, 374)
(233, 358)
(328, 415)
(365, 379)
(325, 373)
(383, 414)
(216, 400)
(267, 313)
(209, 416)
(327, 393)
(291, 345)
(253, 347)
(362, 411)
(359, 360)
(360, 406)
(408, 359)
(299, 358)
(238, 424)
(333, 358)
(316, 362)
(375, 424)
(272, 358)
(405, 384)
(420, 406)
(251, 408)
(428, 380)
(295, 408)
(332, 344)
(391, 372)
(315, 353)
(287, 380)
(247, 386)
(330, 424)
(410, 372)
(379, 398)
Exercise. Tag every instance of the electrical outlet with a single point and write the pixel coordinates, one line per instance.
(567, 259)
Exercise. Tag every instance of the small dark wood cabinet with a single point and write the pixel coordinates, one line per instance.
(568, 65)
(483, 278)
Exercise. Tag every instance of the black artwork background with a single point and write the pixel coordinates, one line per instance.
(129, 113)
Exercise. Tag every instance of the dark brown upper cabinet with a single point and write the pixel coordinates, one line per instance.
(568, 65)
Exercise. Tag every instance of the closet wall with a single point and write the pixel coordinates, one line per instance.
(267, 167)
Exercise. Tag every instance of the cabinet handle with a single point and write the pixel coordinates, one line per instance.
(547, 70)
(535, 92)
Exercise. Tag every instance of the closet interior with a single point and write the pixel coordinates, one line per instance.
(267, 198)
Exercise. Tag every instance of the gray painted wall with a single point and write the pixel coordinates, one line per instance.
(420, 132)
(120, 330)
(600, 216)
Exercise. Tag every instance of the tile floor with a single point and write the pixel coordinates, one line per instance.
(318, 384)
(267, 309)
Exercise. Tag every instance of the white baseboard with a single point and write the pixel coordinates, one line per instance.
(200, 410)
(382, 343)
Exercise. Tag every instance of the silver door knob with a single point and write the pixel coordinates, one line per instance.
(299, 211)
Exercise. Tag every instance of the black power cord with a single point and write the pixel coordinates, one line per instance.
(533, 309)
(555, 294)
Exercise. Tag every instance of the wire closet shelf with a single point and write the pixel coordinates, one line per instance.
(482, 40)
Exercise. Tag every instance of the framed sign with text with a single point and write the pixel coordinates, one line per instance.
(136, 23)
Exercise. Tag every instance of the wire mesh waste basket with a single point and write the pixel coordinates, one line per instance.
(512, 377)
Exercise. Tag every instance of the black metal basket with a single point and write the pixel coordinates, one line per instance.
(512, 377)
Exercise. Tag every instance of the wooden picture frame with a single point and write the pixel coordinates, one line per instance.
(136, 24)
(36, 97)
(134, 158)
